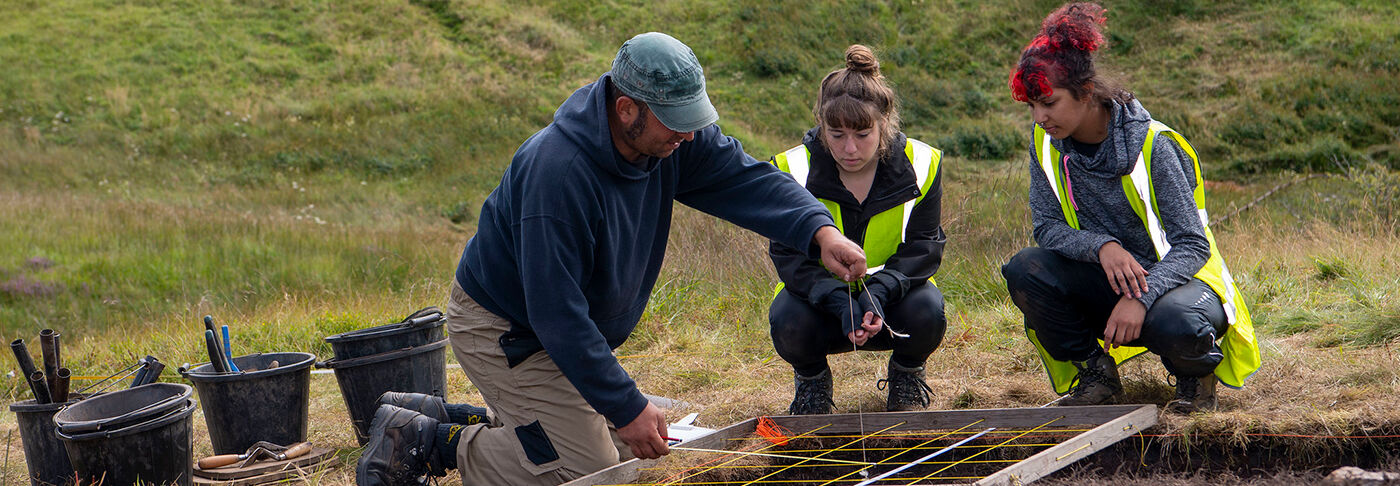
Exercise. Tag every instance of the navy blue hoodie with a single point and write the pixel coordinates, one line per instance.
(571, 242)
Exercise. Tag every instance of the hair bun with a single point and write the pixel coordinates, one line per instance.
(861, 59)
(1077, 26)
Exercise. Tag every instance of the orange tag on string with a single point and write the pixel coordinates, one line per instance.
(770, 431)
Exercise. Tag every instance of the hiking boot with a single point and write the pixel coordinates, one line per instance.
(812, 395)
(1194, 395)
(1097, 382)
(431, 405)
(400, 449)
(908, 390)
(437, 408)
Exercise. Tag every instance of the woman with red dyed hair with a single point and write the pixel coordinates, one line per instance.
(884, 190)
(1125, 261)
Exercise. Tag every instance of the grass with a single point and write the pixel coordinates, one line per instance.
(299, 168)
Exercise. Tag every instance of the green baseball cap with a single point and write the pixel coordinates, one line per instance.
(662, 72)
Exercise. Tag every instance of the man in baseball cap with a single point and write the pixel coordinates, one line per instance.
(558, 274)
(659, 70)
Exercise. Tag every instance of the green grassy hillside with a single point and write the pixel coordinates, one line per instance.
(302, 167)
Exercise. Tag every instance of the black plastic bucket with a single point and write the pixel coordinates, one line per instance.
(258, 404)
(421, 369)
(116, 410)
(420, 329)
(43, 452)
(156, 451)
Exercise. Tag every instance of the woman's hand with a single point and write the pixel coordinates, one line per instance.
(1124, 273)
(1125, 323)
(870, 325)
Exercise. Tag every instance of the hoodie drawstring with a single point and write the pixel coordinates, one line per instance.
(1069, 187)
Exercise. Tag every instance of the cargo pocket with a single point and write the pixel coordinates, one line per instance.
(538, 449)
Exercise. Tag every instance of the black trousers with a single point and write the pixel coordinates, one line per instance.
(805, 335)
(1068, 302)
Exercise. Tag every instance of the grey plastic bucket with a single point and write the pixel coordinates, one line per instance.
(420, 369)
(258, 404)
(155, 451)
(43, 452)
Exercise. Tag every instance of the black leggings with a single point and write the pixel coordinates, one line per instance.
(805, 335)
(1068, 302)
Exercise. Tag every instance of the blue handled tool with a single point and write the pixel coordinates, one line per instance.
(228, 350)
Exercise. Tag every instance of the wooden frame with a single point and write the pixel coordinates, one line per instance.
(1107, 425)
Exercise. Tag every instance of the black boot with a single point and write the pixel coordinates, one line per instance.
(1097, 382)
(908, 390)
(1194, 395)
(431, 405)
(812, 395)
(435, 407)
(400, 449)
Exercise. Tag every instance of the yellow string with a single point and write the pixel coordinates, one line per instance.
(823, 464)
(804, 463)
(935, 473)
(769, 446)
(920, 445)
(842, 446)
(902, 435)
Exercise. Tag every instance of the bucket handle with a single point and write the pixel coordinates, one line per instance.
(124, 373)
(91, 426)
(423, 316)
(104, 434)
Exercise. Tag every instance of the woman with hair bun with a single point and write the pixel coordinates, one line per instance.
(1126, 262)
(884, 190)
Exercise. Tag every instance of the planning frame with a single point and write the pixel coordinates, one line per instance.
(981, 447)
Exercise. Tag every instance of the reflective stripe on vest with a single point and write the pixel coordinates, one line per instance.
(1241, 350)
(886, 230)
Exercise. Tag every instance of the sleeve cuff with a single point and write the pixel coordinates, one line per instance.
(821, 289)
(1093, 255)
(814, 251)
(629, 410)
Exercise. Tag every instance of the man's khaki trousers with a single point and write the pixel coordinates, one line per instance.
(543, 432)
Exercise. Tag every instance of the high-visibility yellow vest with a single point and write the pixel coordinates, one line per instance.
(886, 230)
(1239, 345)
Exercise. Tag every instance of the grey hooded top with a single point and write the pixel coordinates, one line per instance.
(1103, 209)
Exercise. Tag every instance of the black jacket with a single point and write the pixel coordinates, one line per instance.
(913, 263)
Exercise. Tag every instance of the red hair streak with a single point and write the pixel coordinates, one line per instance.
(1062, 49)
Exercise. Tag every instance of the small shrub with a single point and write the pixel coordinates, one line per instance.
(1380, 194)
(1324, 154)
(964, 400)
(1387, 156)
(1295, 323)
(1330, 269)
(771, 63)
(370, 165)
(982, 140)
(1375, 329)
(460, 213)
(1356, 129)
(1260, 128)
(926, 99)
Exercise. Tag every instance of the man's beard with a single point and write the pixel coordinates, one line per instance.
(634, 131)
